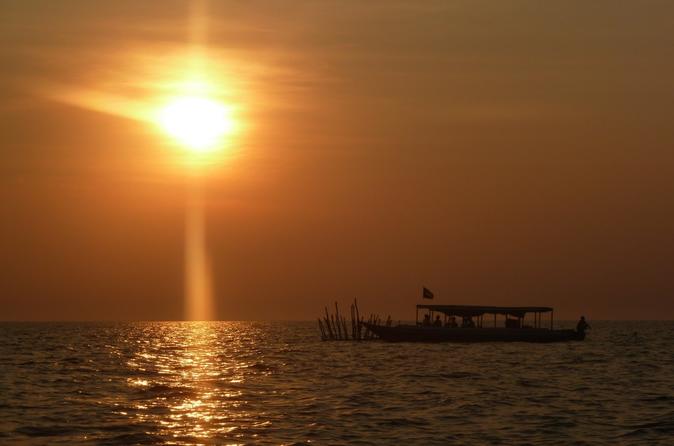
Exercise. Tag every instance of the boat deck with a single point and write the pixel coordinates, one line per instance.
(417, 333)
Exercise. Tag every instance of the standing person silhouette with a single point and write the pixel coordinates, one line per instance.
(582, 325)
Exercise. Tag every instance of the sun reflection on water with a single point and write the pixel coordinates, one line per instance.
(191, 393)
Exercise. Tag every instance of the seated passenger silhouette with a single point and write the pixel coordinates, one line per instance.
(438, 322)
(451, 323)
(427, 320)
(467, 323)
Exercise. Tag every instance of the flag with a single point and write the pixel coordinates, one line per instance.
(427, 294)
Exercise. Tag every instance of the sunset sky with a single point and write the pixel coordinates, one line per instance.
(497, 152)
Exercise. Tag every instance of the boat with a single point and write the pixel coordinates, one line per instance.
(510, 324)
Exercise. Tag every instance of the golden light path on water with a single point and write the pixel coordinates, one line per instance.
(189, 382)
(190, 99)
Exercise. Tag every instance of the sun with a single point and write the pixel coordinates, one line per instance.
(198, 123)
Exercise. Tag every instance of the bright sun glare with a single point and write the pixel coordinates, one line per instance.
(196, 122)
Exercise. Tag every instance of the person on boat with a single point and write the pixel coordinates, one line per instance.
(451, 323)
(467, 322)
(437, 322)
(582, 325)
(427, 320)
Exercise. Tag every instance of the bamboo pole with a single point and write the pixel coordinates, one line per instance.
(320, 325)
(335, 328)
(327, 322)
(358, 326)
(339, 328)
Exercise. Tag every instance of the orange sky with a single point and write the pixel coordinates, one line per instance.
(497, 152)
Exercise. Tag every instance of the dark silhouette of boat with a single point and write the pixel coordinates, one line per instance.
(512, 326)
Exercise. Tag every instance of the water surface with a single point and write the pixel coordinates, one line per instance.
(277, 383)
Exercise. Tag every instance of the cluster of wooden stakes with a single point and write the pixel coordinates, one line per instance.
(334, 327)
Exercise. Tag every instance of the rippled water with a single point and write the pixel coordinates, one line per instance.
(277, 383)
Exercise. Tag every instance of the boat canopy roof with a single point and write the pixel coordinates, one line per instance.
(478, 310)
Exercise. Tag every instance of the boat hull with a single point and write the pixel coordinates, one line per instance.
(412, 333)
